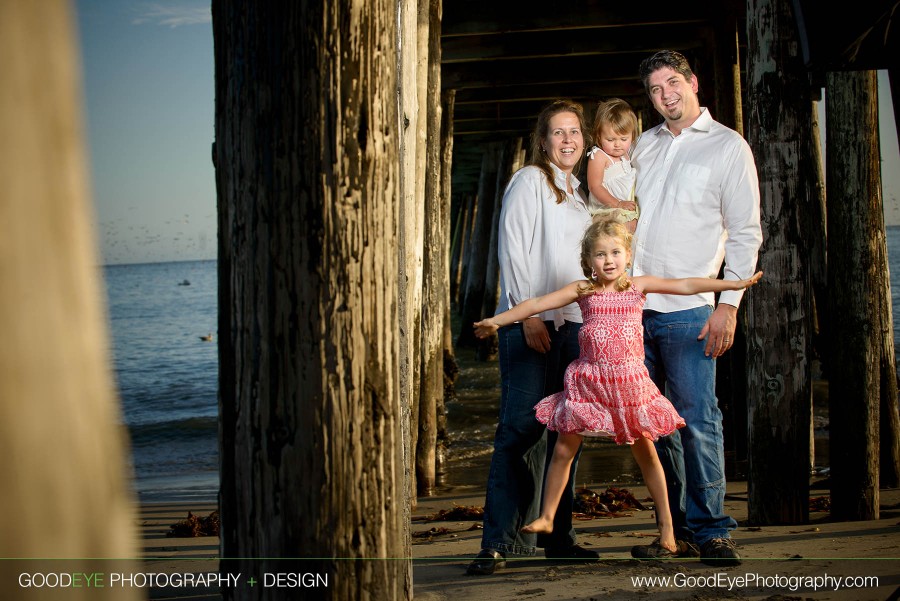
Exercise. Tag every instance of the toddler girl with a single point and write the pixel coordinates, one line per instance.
(610, 175)
(608, 391)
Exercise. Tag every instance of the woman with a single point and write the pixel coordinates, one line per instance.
(543, 218)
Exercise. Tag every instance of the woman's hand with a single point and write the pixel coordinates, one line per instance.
(536, 334)
(627, 205)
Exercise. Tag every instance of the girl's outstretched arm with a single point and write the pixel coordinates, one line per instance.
(649, 283)
(555, 300)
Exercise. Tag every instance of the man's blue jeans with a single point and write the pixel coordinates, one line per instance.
(694, 456)
(520, 447)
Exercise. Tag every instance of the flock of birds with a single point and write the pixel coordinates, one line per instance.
(126, 240)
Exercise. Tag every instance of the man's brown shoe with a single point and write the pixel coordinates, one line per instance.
(720, 552)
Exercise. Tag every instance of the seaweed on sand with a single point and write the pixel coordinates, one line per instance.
(195, 526)
(613, 502)
(456, 513)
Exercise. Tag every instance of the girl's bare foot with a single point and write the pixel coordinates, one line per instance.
(667, 538)
(540, 525)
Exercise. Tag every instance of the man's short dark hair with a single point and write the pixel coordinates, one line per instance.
(664, 58)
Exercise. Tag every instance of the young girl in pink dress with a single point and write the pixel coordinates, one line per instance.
(608, 391)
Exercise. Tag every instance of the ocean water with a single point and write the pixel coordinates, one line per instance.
(168, 382)
(167, 376)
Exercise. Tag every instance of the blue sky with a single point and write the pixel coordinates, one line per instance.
(149, 92)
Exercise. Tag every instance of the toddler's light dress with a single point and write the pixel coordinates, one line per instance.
(619, 180)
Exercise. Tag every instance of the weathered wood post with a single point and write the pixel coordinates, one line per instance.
(727, 65)
(779, 382)
(452, 219)
(431, 380)
(411, 91)
(308, 179)
(473, 293)
(459, 202)
(731, 368)
(62, 450)
(854, 282)
(451, 368)
(814, 234)
(888, 418)
(509, 154)
(894, 80)
(461, 253)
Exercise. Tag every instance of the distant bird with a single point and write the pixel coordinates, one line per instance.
(184, 283)
(207, 338)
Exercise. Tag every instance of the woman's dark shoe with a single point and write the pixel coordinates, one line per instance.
(574, 552)
(487, 562)
(656, 551)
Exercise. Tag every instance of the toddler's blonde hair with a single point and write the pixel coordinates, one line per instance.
(618, 116)
(603, 228)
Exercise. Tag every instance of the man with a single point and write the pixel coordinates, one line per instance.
(699, 196)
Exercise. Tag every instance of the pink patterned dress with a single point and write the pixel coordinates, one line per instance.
(608, 391)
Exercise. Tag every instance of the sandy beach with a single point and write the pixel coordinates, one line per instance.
(822, 560)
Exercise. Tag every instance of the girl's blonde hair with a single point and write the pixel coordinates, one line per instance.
(618, 116)
(603, 228)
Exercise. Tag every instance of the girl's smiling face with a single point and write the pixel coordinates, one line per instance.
(610, 259)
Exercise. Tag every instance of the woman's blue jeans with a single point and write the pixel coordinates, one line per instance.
(694, 456)
(521, 450)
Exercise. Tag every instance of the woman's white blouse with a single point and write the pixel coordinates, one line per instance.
(539, 242)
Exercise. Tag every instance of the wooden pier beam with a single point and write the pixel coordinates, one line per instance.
(779, 383)
(855, 281)
(509, 154)
(479, 242)
(431, 374)
(308, 177)
(63, 449)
